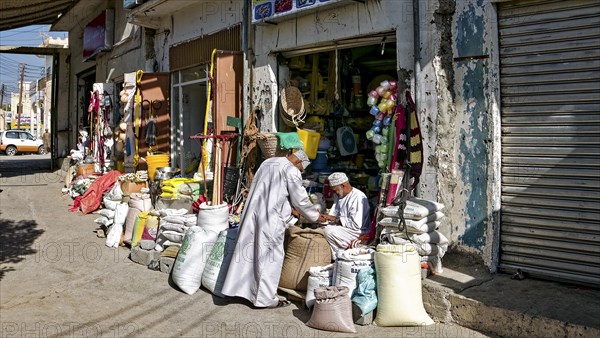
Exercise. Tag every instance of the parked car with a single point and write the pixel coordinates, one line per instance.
(18, 141)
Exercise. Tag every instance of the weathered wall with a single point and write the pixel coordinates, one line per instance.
(192, 22)
(458, 113)
(125, 56)
(322, 27)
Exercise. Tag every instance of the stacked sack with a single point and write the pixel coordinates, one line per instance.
(110, 201)
(172, 227)
(197, 245)
(422, 219)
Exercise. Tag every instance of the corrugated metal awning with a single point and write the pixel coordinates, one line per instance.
(198, 51)
(21, 13)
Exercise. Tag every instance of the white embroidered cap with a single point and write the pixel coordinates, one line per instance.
(301, 155)
(337, 179)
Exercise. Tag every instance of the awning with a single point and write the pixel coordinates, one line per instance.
(21, 13)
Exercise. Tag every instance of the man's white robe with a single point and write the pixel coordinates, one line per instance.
(353, 212)
(257, 260)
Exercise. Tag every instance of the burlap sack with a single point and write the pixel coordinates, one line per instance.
(333, 310)
(305, 248)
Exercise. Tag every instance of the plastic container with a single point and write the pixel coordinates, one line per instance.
(310, 139)
(156, 161)
(320, 162)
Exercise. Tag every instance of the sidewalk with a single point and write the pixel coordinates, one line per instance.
(468, 295)
(58, 279)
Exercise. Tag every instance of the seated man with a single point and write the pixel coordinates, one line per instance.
(348, 215)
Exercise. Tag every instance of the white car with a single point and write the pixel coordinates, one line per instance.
(18, 141)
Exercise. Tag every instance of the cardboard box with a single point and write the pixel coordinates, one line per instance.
(129, 187)
(86, 169)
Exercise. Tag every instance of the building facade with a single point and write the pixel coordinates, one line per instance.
(506, 94)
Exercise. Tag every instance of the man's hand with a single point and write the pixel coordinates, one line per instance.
(328, 218)
(295, 213)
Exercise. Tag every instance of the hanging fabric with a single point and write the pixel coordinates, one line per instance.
(408, 154)
(137, 115)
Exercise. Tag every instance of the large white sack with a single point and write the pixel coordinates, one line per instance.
(400, 301)
(114, 234)
(431, 237)
(418, 208)
(115, 193)
(191, 259)
(348, 263)
(213, 217)
(318, 277)
(110, 204)
(108, 213)
(423, 248)
(218, 261)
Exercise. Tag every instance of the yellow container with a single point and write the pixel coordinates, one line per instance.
(310, 139)
(156, 161)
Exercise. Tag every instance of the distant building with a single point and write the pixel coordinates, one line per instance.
(43, 95)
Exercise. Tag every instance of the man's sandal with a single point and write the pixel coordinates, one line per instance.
(280, 303)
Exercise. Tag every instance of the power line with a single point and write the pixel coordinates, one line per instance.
(17, 32)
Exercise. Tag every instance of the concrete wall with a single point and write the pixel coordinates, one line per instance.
(458, 96)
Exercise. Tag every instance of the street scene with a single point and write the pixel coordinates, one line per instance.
(301, 168)
(59, 280)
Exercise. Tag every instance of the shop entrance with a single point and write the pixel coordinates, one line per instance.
(335, 86)
(85, 83)
(189, 87)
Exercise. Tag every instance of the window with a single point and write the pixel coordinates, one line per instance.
(26, 136)
(12, 134)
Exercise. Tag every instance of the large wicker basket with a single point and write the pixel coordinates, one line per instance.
(269, 145)
(292, 105)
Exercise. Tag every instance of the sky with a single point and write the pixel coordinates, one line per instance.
(10, 64)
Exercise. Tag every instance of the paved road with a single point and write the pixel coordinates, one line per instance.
(58, 279)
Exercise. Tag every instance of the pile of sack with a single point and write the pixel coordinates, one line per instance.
(422, 219)
(387, 279)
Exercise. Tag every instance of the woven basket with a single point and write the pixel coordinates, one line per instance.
(292, 102)
(269, 145)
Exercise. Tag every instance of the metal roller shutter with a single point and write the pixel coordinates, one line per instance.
(550, 89)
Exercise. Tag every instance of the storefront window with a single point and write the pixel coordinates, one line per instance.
(335, 86)
(189, 106)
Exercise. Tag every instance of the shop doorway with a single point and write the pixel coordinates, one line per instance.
(335, 84)
(85, 83)
(189, 87)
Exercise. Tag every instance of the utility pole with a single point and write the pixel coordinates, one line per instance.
(3, 126)
(1, 96)
(20, 105)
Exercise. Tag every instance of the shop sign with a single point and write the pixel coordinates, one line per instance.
(272, 10)
(98, 34)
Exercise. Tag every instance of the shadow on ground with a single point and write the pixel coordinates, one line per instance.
(20, 165)
(16, 242)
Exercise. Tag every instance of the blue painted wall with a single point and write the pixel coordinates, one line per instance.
(474, 133)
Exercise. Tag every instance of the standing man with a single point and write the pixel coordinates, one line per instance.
(46, 139)
(349, 214)
(257, 260)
